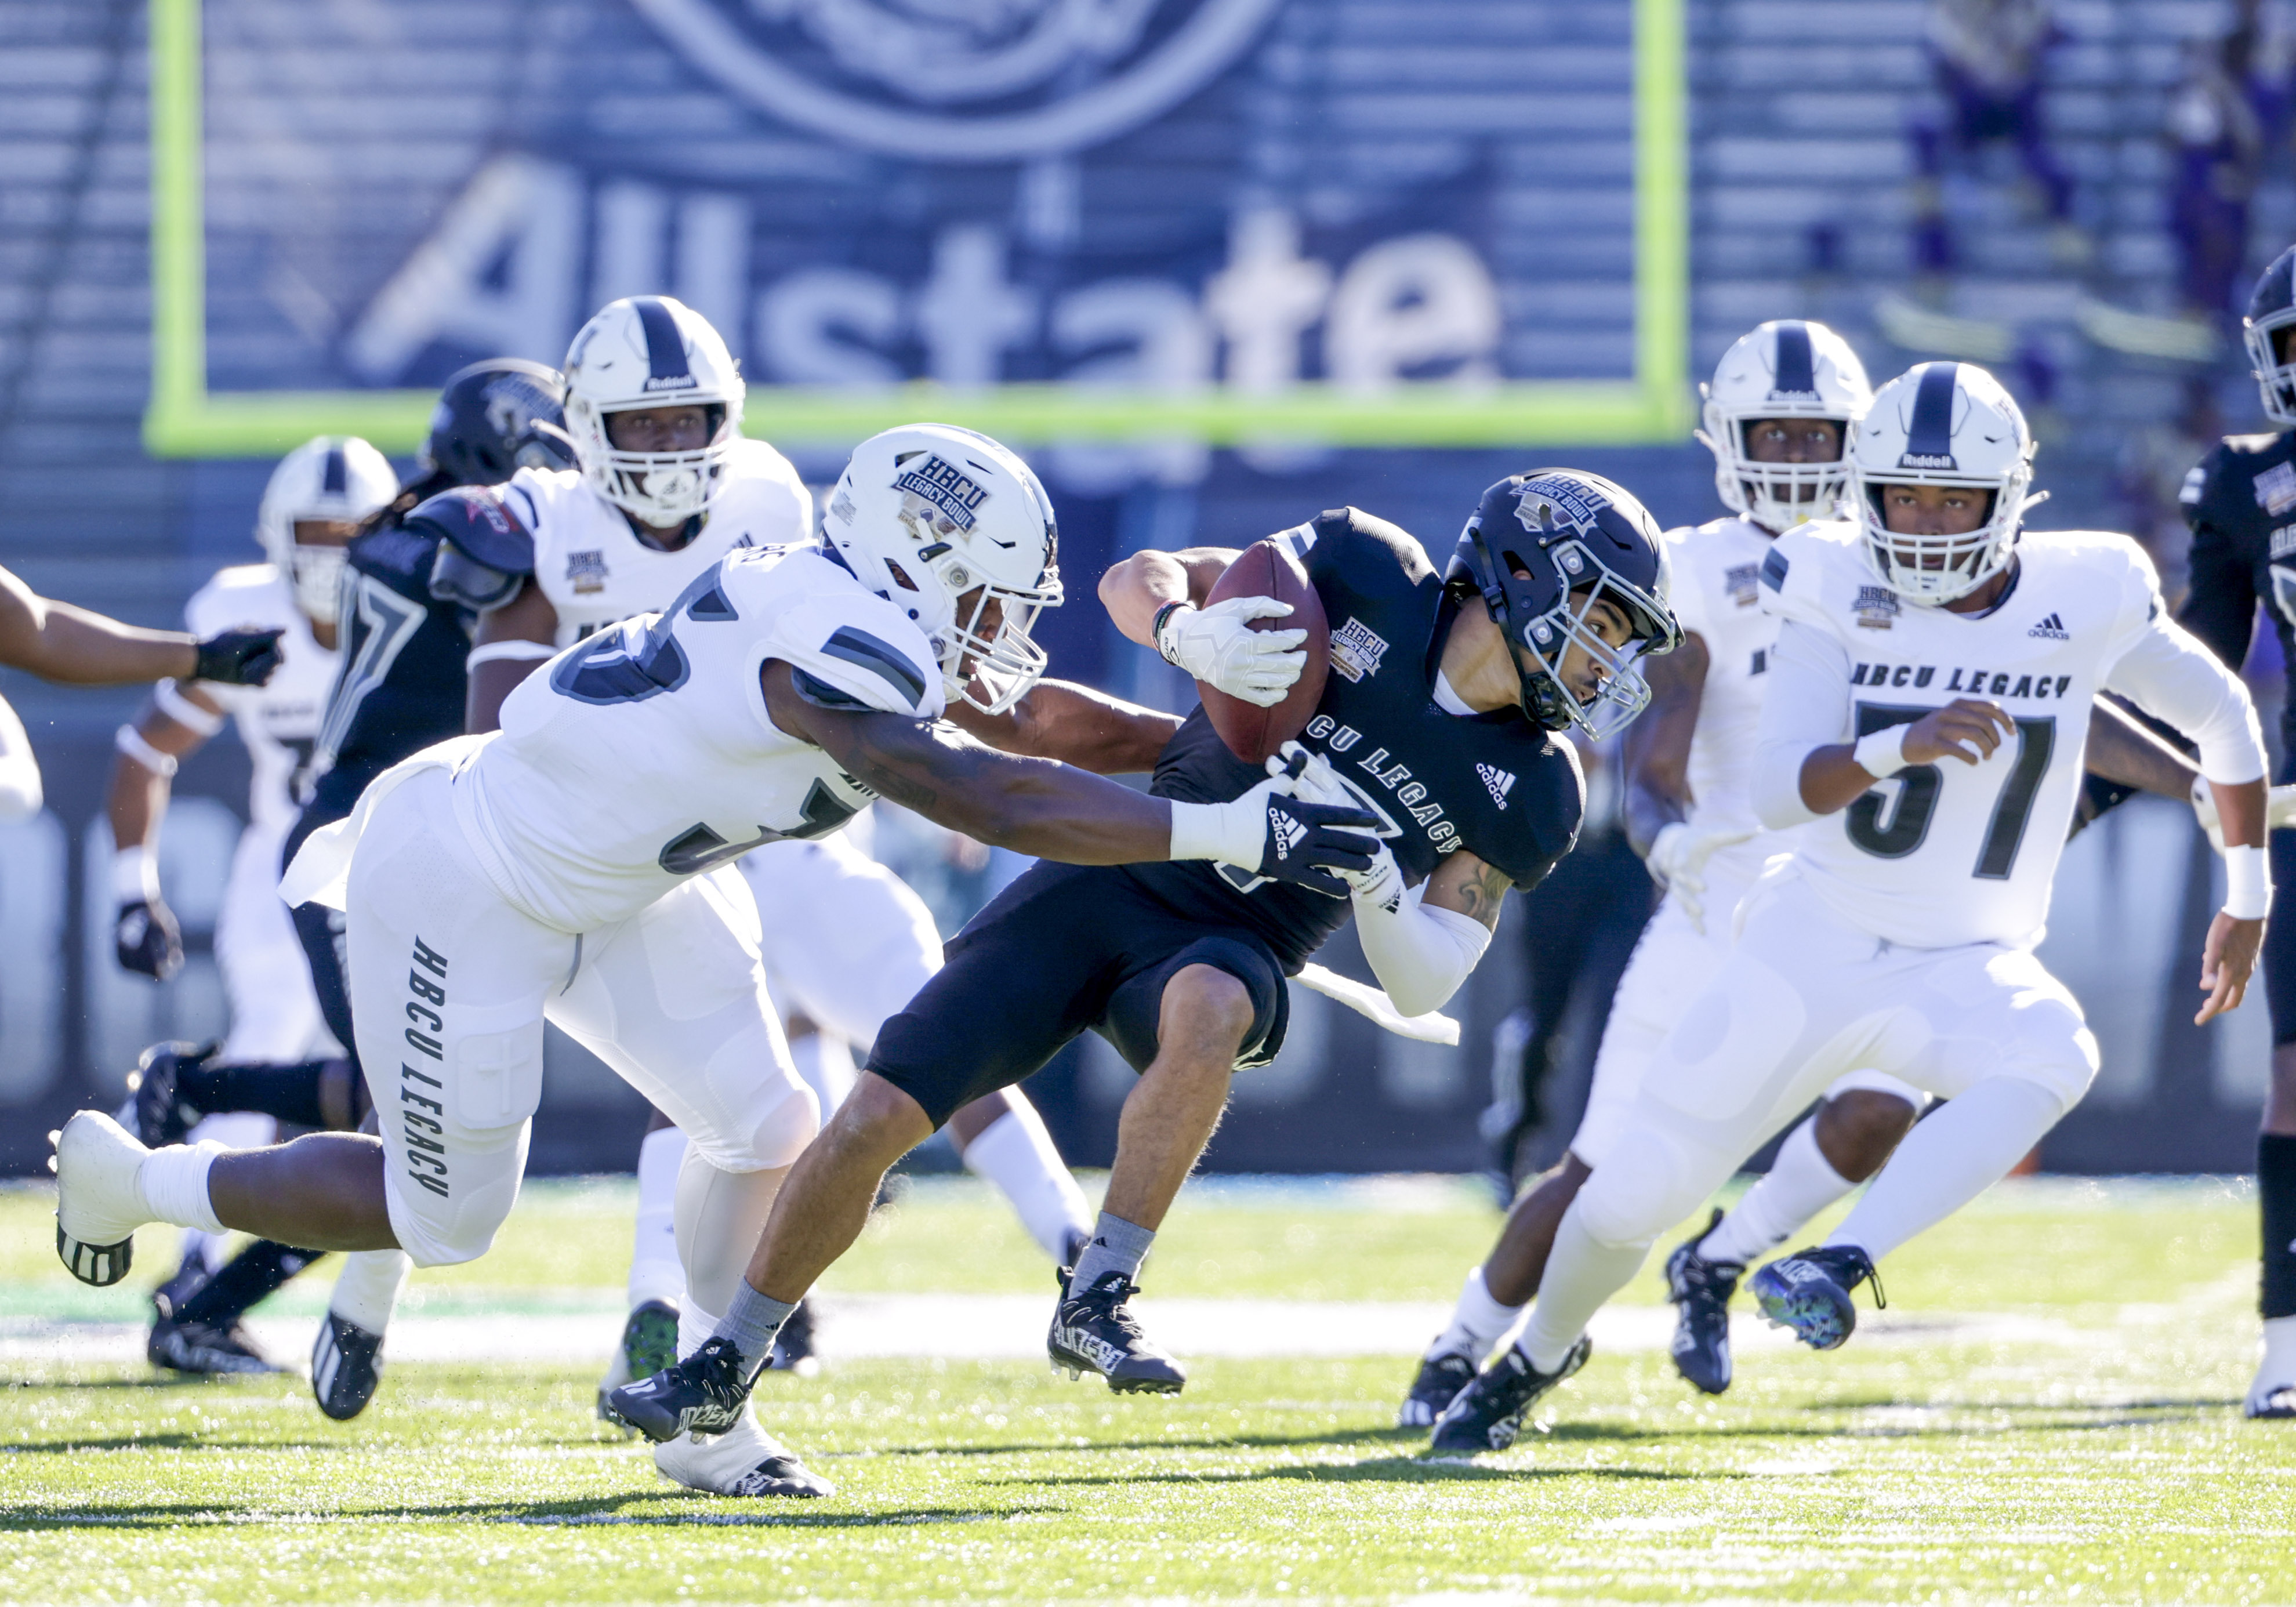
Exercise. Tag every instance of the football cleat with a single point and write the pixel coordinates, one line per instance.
(1701, 1290)
(98, 1205)
(346, 1367)
(188, 1280)
(1808, 1292)
(2268, 1403)
(649, 1344)
(793, 1343)
(205, 1349)
(1095, 1332)
(1488, 1414)
(155, 1110)
(1440, 1379)
(703, 1394)
(743, 1461)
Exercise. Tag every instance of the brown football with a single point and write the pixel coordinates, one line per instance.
(1266, 568)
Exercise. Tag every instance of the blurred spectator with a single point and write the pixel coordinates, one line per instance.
(1987, 56)
(2229, 108)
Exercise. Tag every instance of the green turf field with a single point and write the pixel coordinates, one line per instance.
(2069, 1430)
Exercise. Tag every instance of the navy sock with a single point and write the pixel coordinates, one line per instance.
(2276, 1193)
(288, 1091)
(248, 1278)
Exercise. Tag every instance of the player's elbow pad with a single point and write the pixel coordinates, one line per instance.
(1420, 954)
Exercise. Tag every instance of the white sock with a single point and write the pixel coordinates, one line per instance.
(1948, 1160)
(656, 1273)
(1581, 1274)
(1478, 1322)
(2276, 1366)
(1016, 1154)
(367, 1290)
(174, 1182)
(1801, 1184)
(695, 1325)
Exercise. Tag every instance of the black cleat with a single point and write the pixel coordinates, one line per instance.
(649, 1345)
(205, 1349)
(346, 1367)
(1095, 1332)
(189, 1279)
(1808, 1292)
(2276, 1404)
(155, 1110)
(1488, 1414)
(1701, 1290)
(1440, 1379)
(703, 1394)
(793, 1343)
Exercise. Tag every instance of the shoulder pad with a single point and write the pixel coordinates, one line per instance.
(858, 652)
(475, 520)
(1372, 542)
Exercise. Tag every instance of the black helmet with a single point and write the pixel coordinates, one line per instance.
(494, 418)
(1541, 536)
(2271, 309)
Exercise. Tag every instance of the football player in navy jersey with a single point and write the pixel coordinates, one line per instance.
(1438, 718)
(2241, 500)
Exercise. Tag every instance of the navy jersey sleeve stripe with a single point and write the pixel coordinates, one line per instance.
(1774, 570)
(880, 657)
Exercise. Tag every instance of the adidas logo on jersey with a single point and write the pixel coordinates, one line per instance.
(2051, 628)
(1500, 782)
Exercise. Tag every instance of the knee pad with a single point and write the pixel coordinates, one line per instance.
(463, 1231)
(1649, 1181)
(769, 1115)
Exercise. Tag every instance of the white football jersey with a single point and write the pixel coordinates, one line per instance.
(645, 755)
(1949, 853)
(279, 721)
(1717, 570)
(596, 573)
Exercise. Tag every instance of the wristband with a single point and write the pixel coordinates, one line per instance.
(131, 743)
(2247, 884)
(513, 648)
(1156, 631)
(1882, 753)
(136, 875)
(186, 713)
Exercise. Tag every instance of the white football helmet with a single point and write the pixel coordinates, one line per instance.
(1786, 368)
(1942, 425)
(933, 517)
(649, 351)
(335, 477)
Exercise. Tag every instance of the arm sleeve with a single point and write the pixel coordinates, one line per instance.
(1420, 954)
(2221, 608)
(2169, 675)
(1805, 707)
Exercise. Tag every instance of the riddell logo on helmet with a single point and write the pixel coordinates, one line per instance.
(946, 487)
(673, 381)
(1927, 460)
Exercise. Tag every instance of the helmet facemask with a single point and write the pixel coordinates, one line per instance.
(2276, 376)
(1938, 569)
(1776, 495)
(317, 572)
(662, 489)
(992, 669)
(1547, 639)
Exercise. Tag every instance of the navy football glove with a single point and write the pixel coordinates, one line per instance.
(148, 940)
(239, 658)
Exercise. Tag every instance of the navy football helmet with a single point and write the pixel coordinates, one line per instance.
(1541, 550)
(2271, 309)
(493, 419)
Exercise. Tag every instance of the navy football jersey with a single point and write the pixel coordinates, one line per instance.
(1495, 784)
(2241, 502)
(401, 681)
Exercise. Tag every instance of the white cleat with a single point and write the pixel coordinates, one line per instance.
(743, 1461)
(99, 1205)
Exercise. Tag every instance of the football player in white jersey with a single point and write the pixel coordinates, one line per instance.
(576, 864)
(1930, 698)
(312, 506)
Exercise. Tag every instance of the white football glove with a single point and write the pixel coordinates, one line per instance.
(2279, 810)
(1677, 863)
(1217, 646)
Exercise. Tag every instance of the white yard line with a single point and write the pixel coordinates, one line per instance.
(1007, 1327)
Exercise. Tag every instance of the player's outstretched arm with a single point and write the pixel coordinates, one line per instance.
(1061, 720)
(146, 937)
(1055, 811)
(58, 642)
